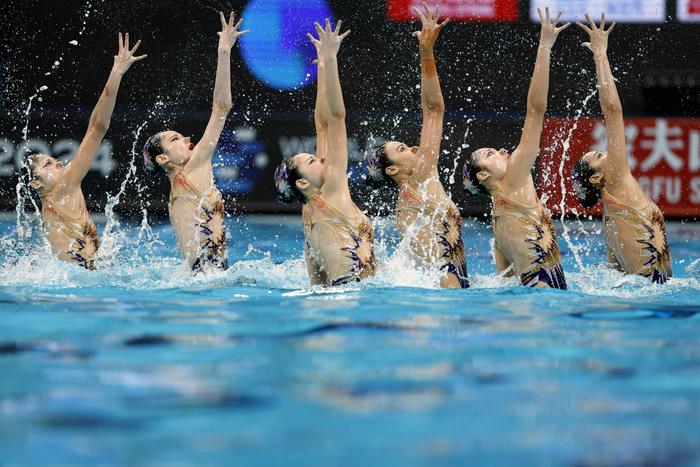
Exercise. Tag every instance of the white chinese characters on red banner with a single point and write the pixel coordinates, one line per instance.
(457, 10)
(664, 155)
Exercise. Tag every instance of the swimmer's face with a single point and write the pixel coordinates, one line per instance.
(400, 156)
(493, 163)
(46, 171)
(177, 149)
(310, 169)
(598, 161)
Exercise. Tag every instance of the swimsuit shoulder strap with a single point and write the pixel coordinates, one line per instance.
(48, 206)
(504, 205)
(182, 187)
(612, 203)
(320, 210)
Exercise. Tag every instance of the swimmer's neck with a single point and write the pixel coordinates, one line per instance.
(310, 192)
(401, 178)
(494, 187)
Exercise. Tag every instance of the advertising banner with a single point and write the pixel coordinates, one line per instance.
(458, 10)
(622, 11)
(688, 11)
(664, 156)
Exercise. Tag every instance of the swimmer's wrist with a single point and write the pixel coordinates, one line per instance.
(427, 55)
(118, 71)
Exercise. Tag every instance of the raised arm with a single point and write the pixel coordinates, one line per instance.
(222, 102)
(431, 95)
(335, 166)
(101, 115)
(609, 99)
(321, 109)
(525, 154)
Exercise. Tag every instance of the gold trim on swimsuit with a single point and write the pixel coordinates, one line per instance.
(354, 237)
(207, 209)
(80, 231)
(544, 260)
(446, 230)
(649, 227)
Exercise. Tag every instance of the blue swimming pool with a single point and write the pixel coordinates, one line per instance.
(141, 364)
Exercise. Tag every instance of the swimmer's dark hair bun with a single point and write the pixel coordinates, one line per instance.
(470, 181)
(377, 163)
(286, 176)
(587, 193)
(150, 151)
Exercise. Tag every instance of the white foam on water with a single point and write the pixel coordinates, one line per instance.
(603, 281)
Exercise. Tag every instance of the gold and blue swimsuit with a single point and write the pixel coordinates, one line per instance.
(352, 239)
(445, 224)
(208, 220)
(543, 262)
(79, 231)
(652, 256)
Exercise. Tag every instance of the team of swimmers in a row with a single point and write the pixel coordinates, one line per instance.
(338, 236)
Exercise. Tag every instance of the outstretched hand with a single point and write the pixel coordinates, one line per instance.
(229, 32)
(598, 35)
(125, 56)
(549, 30)
(328, 42)
(430, 30)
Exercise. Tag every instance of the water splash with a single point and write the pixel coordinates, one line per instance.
(113, 240)
(566, 144)
(23, 191)
(24, 221)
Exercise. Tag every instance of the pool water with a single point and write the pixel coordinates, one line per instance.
(139, 363)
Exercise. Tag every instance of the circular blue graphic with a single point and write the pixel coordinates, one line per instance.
(276, 50)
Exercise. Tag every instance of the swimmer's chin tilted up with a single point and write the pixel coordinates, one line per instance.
(65, 219)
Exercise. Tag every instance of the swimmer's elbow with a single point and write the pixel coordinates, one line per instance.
(612, 109)
(435, 106)
(99, 126)
(536, 106)
(223, 106)
(338, 114)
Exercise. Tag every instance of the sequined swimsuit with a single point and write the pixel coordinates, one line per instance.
(79, 231)
(353, 238)
(543, 263)
(652, 257)
(445, 224)
(208, 219)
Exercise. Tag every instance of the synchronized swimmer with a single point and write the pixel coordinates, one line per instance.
(339, 237)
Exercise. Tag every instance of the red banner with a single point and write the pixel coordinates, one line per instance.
(664, 155)
(458, 10)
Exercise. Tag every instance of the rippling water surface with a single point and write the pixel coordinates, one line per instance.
(141, 364)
